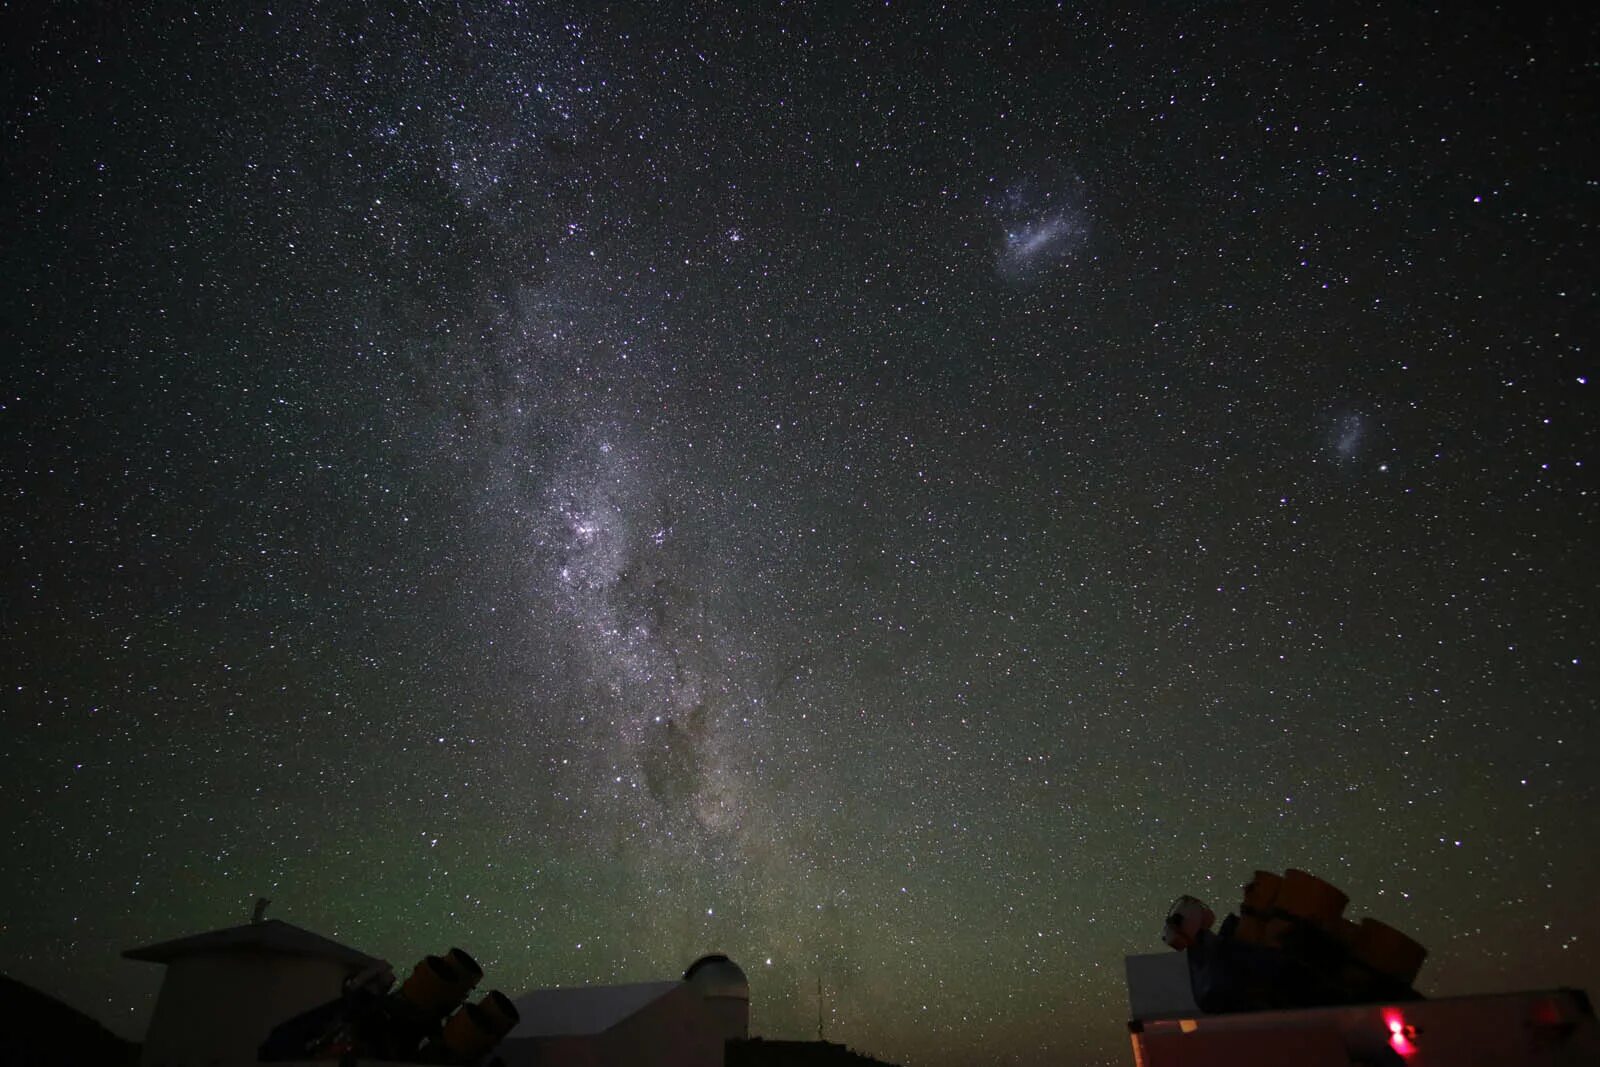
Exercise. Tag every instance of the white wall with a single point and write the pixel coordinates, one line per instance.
(675, 1030)
(1158, 984)
(218, 1008)
(732, 1015)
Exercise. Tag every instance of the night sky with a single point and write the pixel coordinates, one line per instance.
(892, 494)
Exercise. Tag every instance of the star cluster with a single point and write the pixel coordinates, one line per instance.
(893, 495)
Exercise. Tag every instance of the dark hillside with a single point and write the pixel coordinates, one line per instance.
(38, 1030)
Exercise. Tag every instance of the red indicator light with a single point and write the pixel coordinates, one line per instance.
(1547, 1013)
(1401, 1036)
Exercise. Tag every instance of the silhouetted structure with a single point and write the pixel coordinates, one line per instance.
(37, 1029)
(225, 990)
(1290, 946)
(759, 1052)
(286, 994)
(1290, 980)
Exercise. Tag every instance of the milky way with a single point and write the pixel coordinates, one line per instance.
(892, 496)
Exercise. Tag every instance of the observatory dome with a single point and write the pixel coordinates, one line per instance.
(725, 991)
(718, 976)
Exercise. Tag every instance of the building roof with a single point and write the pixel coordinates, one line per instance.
(584, 1009)
(271, 936)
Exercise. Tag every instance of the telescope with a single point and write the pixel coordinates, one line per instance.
(426, 1020)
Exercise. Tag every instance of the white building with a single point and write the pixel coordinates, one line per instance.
(225, 990)
(646, 1024)
(726, 991)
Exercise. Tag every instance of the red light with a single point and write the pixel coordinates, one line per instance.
(1400, 1035)
(1547, 1013)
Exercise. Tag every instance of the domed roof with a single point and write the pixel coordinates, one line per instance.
(718, 976)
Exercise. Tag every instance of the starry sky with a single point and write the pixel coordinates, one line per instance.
(892, 493)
